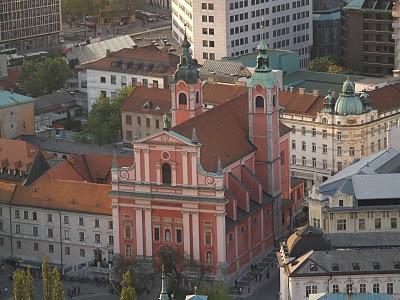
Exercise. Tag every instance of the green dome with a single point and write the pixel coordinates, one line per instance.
(348, 103)
(187, 68)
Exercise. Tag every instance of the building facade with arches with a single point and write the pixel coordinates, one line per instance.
(216, 186)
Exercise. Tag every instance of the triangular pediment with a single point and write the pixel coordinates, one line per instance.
(166, 138)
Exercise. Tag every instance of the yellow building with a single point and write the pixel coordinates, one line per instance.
(17, 115)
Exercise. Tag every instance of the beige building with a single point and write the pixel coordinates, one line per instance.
(27, 24)
(331, 131)
(17, 115)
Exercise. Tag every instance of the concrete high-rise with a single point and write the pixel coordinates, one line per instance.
(27, 24)
(227, 28)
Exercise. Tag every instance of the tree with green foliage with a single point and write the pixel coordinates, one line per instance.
(57, 290)
(46, 280)
(43, 76)
(104, 122)
(128, 291)
(327, 64)
(29, 285)
(216, 291)
(74, 10)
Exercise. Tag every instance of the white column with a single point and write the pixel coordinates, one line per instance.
(146, 165)
(185, 168)
(158, 169)
(195, 234)
(149, 239)
(186, 233)
(115, 219)
(139, 232)
(221, 238)
(137, 164)
(173, 169)
(194, 169)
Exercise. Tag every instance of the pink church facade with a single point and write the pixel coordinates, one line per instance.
(214, 185)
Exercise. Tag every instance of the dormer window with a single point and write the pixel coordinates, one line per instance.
(166, 173)
(397, 265)
(313, 267)
(335, 267)
(376, 265)
(259, 103)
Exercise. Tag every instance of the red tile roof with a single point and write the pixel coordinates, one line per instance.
(217, 93)
(67, 195)
(386, 98)
(140, 57)
(222, 131)
(159, 97)
(16, 154)
(93, 168)
(301, 104)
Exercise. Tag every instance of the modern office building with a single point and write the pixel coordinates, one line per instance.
(219, 29)
(26, 24)
(326, 28)
(367, 45)
(160, 3)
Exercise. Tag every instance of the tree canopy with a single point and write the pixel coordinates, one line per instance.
(104, 122)
(327, 64)
(43, 76)
(216, 291)
(128, 291)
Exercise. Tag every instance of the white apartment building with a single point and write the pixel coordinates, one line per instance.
(330, 132)
(313, 264)
(147, 66)
(229, 28)
(362, 198)
(66, 238)
(27, 24)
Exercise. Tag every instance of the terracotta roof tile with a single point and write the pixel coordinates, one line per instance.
(136, 101)
(301, 104)
(147, 55)
(217, 93)
(64, 195)
(386, 98)
(16, 154)
(6, 191)
(225, 137)
(93, 168)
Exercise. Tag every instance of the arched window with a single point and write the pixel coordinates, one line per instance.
(259, 102)
(127, 231)
(167, 236)
(197, 97)
(273, 100)
(166, 173)
(128, 250)
(208, 259)
(182, 99)
(324, 120)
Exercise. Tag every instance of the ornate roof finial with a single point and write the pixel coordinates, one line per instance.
(194, 136)
(195, 289)
(219, 168)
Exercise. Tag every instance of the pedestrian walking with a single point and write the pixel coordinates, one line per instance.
(235, 283)
(79, 289)
(74, 290)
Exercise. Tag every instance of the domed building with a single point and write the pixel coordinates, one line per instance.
(331, 131)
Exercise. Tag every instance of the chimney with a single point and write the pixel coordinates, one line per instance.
(302, 91)
(108, 53)
(286, 88)
(291, 89)
(315, 92)
(396, 73)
